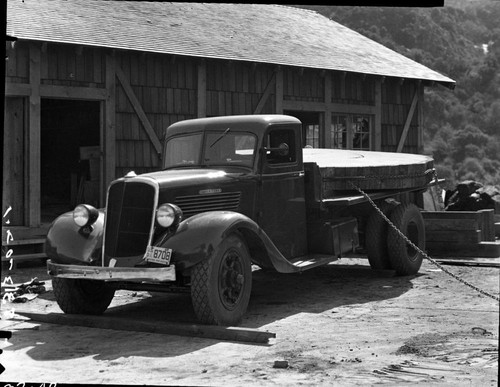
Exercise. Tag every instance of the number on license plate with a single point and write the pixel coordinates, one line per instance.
(159, 255)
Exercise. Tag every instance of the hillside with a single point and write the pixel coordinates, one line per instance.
(462, 41)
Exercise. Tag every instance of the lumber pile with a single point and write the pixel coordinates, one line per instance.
(462, 233)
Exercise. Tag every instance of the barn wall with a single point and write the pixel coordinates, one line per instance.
(396, 102)
(143, 93)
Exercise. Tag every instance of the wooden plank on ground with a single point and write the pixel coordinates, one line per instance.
(468, 262)
(192, 330)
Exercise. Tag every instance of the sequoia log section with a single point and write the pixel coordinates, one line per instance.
(370, 170)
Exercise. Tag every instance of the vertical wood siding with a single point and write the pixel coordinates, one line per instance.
(166, 88)
(396, 103)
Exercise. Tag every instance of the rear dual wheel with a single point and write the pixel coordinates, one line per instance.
(386, 248)
(404, 258)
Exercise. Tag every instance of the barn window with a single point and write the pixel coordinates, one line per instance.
(350, 131)
(312, 135)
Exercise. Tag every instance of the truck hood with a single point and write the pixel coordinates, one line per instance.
(192, 177)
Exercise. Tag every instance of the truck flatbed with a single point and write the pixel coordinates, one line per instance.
(369, 170)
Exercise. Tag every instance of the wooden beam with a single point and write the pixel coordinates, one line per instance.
(34, 137)
(279, 90)
(55, 91)
(202, 89)
(377, 130)
(17, 89)
(334, 107)
(138, 109)
(265, 95)
(71, 92)
(192, 330)
(409, 117)
(109, 135)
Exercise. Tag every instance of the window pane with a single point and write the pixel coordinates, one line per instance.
(312, 136)
(229, 148)
(361, 130)
(183, 150)
(338, 132)
(280, 140)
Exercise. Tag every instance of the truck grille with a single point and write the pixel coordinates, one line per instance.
(129, 218)
(195, 204)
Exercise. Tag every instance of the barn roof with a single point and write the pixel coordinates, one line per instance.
(262, 33)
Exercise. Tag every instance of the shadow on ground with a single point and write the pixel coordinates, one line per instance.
(274, 297)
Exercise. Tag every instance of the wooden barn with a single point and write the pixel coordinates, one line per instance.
(91, 85)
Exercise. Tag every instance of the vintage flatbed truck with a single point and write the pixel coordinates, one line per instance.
(234, 192)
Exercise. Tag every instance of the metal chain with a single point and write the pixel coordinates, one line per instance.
(483, 292)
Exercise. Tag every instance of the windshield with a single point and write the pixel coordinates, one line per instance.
(219, 148)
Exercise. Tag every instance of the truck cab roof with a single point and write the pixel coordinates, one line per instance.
(256, 123)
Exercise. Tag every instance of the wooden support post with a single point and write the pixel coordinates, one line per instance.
(109, 135)
(279, 90)
(420, 112)
(34, 137)
(326, 136)
(408, 122)
(377, 129)
(342, 85)
(202, 89)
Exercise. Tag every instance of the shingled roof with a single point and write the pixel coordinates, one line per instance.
(262, 33)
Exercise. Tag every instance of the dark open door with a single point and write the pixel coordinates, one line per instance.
(70, 155)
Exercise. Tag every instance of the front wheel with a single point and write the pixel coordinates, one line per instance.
(77, 296)
(403, 257)
(221, 285)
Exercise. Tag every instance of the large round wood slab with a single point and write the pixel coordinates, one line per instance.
(370, 170)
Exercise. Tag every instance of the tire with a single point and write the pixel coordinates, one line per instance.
(221, 285)
(76, 296)
(376, 238)
(404, 258)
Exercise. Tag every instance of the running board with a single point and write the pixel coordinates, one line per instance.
(307, 262)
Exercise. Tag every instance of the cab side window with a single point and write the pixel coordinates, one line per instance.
(281, 147)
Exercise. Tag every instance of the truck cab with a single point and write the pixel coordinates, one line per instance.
(233, 192)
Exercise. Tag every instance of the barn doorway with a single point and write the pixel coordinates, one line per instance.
(70, 155)
(311, 133)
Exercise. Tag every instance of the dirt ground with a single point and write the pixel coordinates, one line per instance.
(342, 324)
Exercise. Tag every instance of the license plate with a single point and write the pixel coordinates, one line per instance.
(159, 255)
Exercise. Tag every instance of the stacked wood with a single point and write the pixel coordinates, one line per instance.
(370, 170)
(461, 233)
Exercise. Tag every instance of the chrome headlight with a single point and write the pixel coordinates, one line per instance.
(85, 215)
(168, 215)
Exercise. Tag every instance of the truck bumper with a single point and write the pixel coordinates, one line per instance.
(108, 274)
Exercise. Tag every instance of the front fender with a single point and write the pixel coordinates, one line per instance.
(198, 236)
(65, 243)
